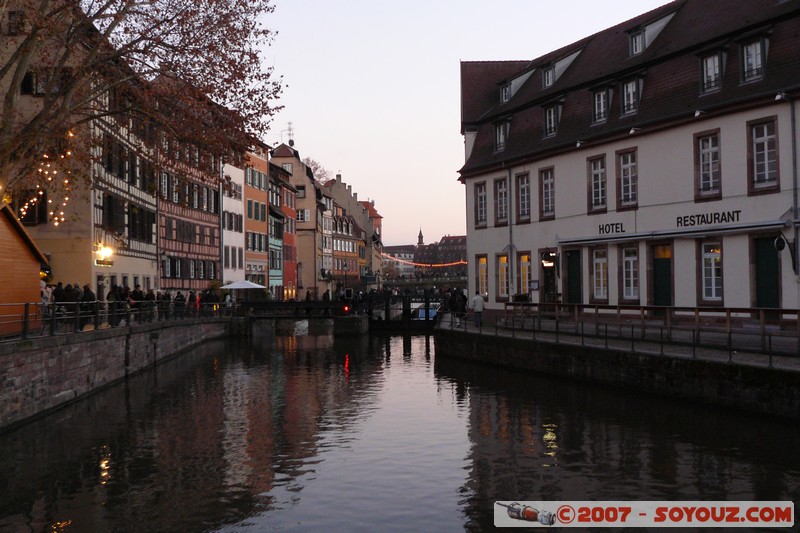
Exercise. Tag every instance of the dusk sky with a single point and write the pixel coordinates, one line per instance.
(372, 89)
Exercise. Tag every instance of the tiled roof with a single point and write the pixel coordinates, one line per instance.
(373, 213)
(669, 68)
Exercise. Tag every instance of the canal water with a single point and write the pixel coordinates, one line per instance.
(313, 433)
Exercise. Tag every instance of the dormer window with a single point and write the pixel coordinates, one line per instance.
(753, 60)
(505, 93)
(630, 96)
(548, 76)
(501, 135)
(551, 117)
(600, 105)
(636, 43)
(712, 73)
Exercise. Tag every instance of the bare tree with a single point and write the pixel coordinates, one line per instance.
(321, 173)
(189, 68)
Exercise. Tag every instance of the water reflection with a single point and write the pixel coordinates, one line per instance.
(540, 438)
(368, 433)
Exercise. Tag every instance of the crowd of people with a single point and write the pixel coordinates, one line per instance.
(123, 304)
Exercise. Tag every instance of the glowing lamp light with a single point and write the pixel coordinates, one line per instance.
(104, 252)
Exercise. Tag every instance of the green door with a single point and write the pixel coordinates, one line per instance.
(767, 273)
(574, 295)
(662, 275)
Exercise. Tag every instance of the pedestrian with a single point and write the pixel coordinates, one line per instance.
(88, 299)
(477, 307)
(180, 304)
(308, 296)
(150, 304)
(137, 297)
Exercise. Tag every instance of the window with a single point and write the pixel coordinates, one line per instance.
(502, 277)
(191, 269)
(630, 97)
(707, 166)
(636, 43)
(548, 76)
(753, 57)
(600, 106)
(711, 272)
(523, 198)
(597, 182)
(600, 274)
(500, 136)
(287, 167)
(303, 215)
(200, 269)
(523, 272)
(551, 115)
(712, 77)
(505, 92)
(301, 191)
(630, 273)
(627, 179)
(500, 202)
(762, 157)
(482, 274)
(547, 198)
(480, 204)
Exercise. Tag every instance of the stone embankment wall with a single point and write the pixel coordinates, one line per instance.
(38, 375)
(757, 389)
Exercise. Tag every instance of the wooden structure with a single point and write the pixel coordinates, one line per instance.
(20, 262)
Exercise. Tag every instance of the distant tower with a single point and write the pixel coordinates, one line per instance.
(420, 240)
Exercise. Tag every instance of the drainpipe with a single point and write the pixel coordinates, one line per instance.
(795, 214)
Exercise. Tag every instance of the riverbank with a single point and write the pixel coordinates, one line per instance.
(45, 373)
(764, 385)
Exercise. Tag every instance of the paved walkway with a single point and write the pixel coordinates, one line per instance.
(778, 352)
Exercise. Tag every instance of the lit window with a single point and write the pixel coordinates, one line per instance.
(483, 275)
(524, 272)
(502, 276)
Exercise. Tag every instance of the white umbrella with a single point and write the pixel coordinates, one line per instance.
(243, 285)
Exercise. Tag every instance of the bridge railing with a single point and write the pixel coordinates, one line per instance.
(36, 319)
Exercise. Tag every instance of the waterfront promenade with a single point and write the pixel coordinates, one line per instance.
(708, 367)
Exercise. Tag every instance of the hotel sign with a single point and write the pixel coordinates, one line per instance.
(707, 219)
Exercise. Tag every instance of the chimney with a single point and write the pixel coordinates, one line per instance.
(338, 178)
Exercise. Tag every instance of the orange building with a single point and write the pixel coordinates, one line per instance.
(20, 263)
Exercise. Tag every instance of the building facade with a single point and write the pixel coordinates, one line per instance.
(256, 192)
(653, 163)
(233, 266)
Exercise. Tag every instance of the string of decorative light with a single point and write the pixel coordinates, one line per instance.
(49, 174)
(426, 265)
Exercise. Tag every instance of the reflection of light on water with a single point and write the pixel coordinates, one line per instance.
(105, 464)
(61, 525)
(346, 367)
(550, 439)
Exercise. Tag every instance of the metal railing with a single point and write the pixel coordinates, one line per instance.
(26, 320)
(694, 332)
